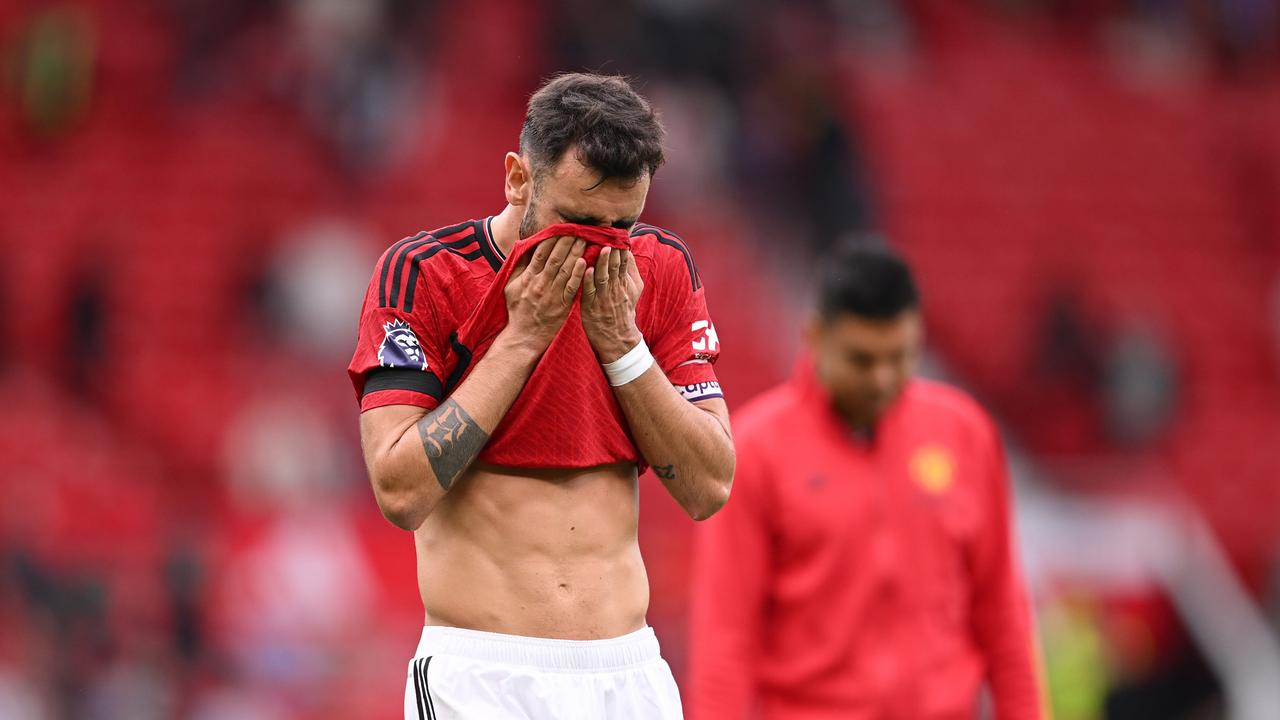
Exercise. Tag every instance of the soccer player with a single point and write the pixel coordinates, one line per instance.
(865, 568)
(528, 565)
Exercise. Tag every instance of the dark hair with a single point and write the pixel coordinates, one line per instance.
(615, 130)
(870, 281)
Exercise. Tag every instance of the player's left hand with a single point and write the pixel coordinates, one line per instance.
(610, 291)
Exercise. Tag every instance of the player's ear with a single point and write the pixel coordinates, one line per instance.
(519, 180)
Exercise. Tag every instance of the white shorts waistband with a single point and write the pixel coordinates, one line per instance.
(618, 653)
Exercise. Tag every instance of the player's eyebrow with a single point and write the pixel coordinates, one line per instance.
(620, 223)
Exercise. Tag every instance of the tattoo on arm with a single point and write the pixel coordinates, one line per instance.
(666, 472)
(451, 439)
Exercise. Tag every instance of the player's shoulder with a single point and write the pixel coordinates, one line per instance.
(949, 402)
(441, 254)
(466, 241)
(668, 251)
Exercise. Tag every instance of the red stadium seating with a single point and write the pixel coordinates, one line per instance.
(1012, 162)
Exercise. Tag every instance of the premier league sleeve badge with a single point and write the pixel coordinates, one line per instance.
(400, 348)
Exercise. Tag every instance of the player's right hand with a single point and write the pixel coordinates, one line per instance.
(542, 289)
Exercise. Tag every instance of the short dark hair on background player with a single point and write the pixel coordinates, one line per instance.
(869, 281)
(615, 130)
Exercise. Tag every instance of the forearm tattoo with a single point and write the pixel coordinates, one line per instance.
(666, 472)
(452, 440)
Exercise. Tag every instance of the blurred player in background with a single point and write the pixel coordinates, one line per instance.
(525, 521)
(865, 567)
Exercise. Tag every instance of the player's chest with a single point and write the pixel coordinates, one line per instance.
(915, 490)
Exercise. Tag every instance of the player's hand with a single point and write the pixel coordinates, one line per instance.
(610, 291)
(541, 289)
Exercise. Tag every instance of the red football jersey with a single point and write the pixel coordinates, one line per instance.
(426, 287)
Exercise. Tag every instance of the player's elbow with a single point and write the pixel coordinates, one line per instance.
(401, 512)
(400, 505)
(719, 487)
(708, 507)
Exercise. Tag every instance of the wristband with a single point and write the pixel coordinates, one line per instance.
(629, 366)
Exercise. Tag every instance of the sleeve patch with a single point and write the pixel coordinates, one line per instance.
(400, 348)
(700, 391)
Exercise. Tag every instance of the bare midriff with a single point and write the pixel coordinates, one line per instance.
(549, 554)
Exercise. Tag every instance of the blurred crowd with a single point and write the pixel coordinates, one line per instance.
(196, 191)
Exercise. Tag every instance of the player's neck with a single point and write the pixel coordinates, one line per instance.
(506, 229)
(860, 429)
(860, 424)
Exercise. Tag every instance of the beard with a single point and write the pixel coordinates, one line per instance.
(528, 222)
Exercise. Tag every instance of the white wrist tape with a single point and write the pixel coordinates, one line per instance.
(629, 366)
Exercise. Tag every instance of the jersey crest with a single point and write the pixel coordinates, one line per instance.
(933, 468)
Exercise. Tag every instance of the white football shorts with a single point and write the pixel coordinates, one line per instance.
(488, 676)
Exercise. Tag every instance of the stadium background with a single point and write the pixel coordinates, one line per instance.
(192, 194)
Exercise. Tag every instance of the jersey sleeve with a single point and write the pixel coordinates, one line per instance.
(684, 344)
(399, 350)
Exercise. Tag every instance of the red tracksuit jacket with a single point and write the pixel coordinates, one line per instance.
(861, 579)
